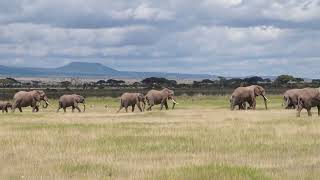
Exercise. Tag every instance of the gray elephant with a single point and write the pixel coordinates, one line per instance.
(4, 106)
(308, 98)
(71, 100)
(132, 99)
(30, 98)
(155, 97)
(290, 98)
(247, 94)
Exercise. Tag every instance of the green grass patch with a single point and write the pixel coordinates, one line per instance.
(208, 172)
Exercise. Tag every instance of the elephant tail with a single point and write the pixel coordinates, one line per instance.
(121, 102)
(60, 104)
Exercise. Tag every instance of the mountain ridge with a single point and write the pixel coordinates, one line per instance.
(87, 69)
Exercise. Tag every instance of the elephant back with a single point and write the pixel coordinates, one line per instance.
(153, 92)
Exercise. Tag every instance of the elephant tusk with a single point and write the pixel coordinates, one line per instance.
(265, 98)
(47, 102)
(174, 101)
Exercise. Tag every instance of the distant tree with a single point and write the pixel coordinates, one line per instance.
(253, 80)
(114, 83)
(315, 81)
(267, 80)
(9, 82)
(299, 80)
(158, 82)
(207, 81)
(65, 84)
(235, 82)
(284, 79)
(136, 84)
(223, 81)
(101, 82)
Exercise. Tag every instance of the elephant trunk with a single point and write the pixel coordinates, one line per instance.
(265, 101)
(46, 105)
(174, 102)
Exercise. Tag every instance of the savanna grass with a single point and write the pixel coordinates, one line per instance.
(200, 139)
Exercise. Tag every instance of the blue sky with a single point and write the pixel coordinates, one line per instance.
(221, 37)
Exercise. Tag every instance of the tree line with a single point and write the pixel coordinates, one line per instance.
(282, 81)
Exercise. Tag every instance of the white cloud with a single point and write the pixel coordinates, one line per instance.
(227, 37)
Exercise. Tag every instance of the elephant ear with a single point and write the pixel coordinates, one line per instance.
(37, 96)
(258, 90)
(77, 98)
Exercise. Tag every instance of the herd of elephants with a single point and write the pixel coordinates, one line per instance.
(294, 98)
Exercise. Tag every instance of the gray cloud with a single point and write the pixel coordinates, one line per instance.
(227, 37)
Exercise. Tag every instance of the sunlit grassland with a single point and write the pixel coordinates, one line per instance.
(200, 139)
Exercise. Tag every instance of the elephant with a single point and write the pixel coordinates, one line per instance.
(29, 98)
(155, 97)
(132, 99)
(290, 98)
(4, 106)
(71, 100)
(308, 98)
(247, 94)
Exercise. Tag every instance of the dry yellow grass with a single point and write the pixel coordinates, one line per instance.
(201, 139)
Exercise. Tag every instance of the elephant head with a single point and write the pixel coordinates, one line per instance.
(169, 94)
(141, 98)
(259, 91)
(173, 99)
(9, 105)
(80, 99)
(41, 96)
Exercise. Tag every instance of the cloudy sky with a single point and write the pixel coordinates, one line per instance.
(222, 37)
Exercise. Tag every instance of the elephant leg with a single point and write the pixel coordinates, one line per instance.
(150, 107)
(64, 109)
(251, 104)
(150, 104)
(58, 109)
(133, 106)
(37, 108)
(299, 111)
(318, 110)
(161, 106)
(120, 108)
(77, 107)
(126, 108)
(2, 110)
(309, 112)
(166, 105)
(33, 108)
(254, 104)
(139, 106)
(20, 109)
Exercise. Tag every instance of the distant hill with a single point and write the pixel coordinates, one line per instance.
(84, 69)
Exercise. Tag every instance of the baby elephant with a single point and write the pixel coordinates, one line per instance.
(73, 101)
(132, 99)
(4, 106)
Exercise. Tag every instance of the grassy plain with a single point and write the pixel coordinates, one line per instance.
(201, 139)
